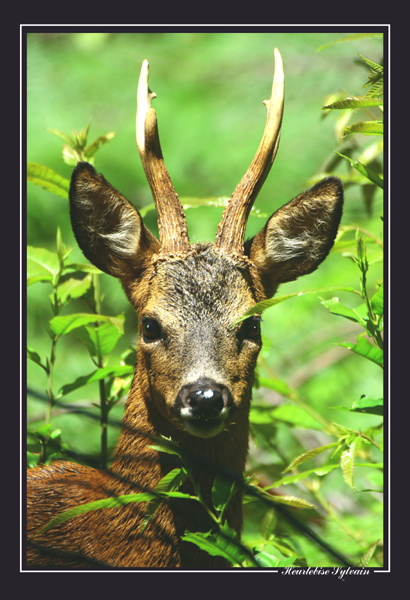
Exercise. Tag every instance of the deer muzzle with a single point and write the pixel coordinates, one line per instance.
(203, 407)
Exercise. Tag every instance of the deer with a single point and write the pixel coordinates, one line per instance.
(195, 364)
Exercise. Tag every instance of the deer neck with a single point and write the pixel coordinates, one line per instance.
(140, 467)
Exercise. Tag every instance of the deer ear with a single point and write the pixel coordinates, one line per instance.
(299, 236)
(108, 228)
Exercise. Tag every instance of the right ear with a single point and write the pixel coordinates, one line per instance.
(108, 228)
(298, 236)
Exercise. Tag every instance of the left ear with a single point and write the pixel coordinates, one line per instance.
(299, 236)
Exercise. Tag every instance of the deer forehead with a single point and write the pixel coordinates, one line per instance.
(204, 284)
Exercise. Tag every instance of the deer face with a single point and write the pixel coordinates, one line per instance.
(199, 366)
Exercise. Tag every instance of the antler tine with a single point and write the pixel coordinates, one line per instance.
(231, 230)
(172, 227)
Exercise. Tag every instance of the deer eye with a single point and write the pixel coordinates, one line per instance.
(151, 330)
(251, 328)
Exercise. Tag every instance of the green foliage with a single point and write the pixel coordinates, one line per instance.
(72, 282)
(367, 164)
(288, 431)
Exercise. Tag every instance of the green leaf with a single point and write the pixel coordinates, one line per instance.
(96, 145)
(42, 265)
(275, 384)
(166, 445)
(48, 179)
(73, 288)
(377, 301)
(82, 267)
(366, 558)
(261, 306)
(307, 455)
(374, 66)
(364, 348)
(288, 413)
(368, 406)
(63, 136)
(63, 325)
(320, 471)
(269, 523)
(99, 340)
(32, 355)
(365, 127)
(296, 416)
(364, 170)
(292, 501)
(268, 560)
(347, 461)
(113, 502)
(223, 489)
(223, 543)
(172, 481)
(95, 376)
(354, 102)
(358, 315)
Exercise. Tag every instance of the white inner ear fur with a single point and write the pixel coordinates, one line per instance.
(124, 239)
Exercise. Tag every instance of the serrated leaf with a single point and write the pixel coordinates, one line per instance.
(354, 103)
(73, 288)
(113, 502)
(48, 179)
(364, 348)
(63, 325)
(307, 455)
(367, 556)
(268, 524)
(365, 127)
(347, 461)
(376, 67)
(292, 501)
(261, 306)
(96, 376)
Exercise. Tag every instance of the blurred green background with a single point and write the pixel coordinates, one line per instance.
(210, 88)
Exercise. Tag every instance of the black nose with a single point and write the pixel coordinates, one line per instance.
(203, 407)
(204, 400)
(205, 403)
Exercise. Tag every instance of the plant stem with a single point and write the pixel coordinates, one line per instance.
(104, 404)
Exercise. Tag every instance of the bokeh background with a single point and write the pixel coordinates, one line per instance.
(210, 88)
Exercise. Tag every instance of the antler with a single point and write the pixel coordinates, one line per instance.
(172, 226)
(231, 230)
